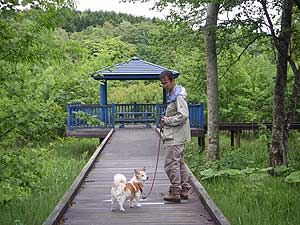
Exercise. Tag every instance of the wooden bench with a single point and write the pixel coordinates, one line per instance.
(135, 117)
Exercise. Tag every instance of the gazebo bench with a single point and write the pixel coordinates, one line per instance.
(135, 117)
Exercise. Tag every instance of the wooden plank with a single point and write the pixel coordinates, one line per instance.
(135, 113)
(234, 126)
(88, 133)
(58, 211)
(133, 120)
(197, 132)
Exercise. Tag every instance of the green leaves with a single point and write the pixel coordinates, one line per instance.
(20, 172)
(253, 173)
(211, 173)
(294, 177)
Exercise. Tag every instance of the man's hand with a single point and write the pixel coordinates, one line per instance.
(163, 119)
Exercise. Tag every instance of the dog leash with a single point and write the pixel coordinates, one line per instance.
(155, 171)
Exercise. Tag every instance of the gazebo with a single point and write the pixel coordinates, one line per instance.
(106, 115)
(133, 69)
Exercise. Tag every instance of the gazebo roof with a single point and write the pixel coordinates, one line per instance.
(133, 69)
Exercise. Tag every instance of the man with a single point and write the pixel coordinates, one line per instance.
(176, 132)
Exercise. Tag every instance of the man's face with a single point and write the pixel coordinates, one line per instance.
(167, 84)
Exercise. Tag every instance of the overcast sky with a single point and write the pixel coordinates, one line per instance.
(137, 9)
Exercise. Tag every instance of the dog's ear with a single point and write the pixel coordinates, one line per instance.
(144, 169)
(136, 171)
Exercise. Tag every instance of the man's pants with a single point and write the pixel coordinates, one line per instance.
(175, 167)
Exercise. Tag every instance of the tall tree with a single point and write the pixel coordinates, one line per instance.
(213, 150)
(278, 152)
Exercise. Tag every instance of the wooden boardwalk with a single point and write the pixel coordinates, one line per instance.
(126, 150)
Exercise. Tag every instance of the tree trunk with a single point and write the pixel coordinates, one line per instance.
(278, 155)
(213, 151)
(292, 109)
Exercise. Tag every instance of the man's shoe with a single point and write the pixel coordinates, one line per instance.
(172, 197)
(184, 194)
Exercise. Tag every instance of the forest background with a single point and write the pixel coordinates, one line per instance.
(47, 59)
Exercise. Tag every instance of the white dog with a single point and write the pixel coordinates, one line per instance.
(132, 190)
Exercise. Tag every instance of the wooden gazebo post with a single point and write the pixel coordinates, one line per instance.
(164, 96)
(103, 99)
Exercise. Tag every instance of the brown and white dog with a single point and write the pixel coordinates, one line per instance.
(131, 190)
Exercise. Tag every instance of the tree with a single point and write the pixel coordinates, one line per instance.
(265, 16)
(213, 151)
(11, 6)
(281, 119)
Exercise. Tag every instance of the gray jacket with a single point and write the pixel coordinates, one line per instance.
(176, 128)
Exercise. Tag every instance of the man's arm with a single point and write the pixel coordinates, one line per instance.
(182, 113)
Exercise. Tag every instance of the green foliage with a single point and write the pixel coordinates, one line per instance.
(34, 179)
(76, 21)
(20, 172)
(281, 170)
(87, 119)
(255, 200)
(40, 73)
(135, 92)
(247, 87)
(294, 177)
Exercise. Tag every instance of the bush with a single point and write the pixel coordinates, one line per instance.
(20, 172)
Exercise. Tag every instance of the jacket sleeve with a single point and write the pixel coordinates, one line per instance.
(182, 113)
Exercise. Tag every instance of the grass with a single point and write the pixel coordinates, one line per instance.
(60, 167)
(253, 199)
(247, 201)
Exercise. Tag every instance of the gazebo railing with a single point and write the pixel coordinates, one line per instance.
(135, 107)
(196, 115)
(82, 116)
(90, 116)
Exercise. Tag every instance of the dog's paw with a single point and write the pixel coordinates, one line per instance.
(138, 205)
(122, 209)
(113, 209)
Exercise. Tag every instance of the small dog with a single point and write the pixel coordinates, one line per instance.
(132, 190)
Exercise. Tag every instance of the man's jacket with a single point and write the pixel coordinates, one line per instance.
(176, 128)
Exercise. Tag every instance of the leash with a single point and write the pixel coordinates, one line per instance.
(157, 158)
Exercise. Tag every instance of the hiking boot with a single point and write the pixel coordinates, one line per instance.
(173, 196)
(184, 194)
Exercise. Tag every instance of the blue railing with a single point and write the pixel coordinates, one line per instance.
(195, 114)
(106, 116)
(90, 116)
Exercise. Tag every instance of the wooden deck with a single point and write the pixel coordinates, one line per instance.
(88, 133)
(126, 150)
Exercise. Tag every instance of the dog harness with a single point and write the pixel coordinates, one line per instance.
(133, 187)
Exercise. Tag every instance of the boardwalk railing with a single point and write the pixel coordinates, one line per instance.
(90, 116)
(106, 116)
(195, 114)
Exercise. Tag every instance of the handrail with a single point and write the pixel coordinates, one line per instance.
(238, 126)
(104, 116)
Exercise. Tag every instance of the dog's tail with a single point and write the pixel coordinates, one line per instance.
(118, 179)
